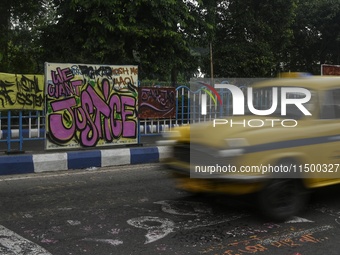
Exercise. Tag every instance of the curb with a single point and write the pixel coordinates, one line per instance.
(47, 162)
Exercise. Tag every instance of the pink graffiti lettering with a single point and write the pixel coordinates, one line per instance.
(129, 129)
(89, 135)
(60, 124)
(116, 124)
(96, 118)
(157, 103)
(162, 96)
(62, 84)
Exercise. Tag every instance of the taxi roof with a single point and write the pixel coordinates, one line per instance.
(309, 82)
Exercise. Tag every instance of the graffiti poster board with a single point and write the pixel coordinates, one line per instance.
(155, 102)
(90, 105)
(330, 70)
(21, 92)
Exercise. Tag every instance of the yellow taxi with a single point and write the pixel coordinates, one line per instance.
(280, 154)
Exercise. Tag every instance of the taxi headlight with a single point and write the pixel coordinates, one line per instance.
(234, 147)
(171, 134)
(230, 153)
(236, 142)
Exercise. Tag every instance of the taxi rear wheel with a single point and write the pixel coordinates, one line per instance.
(282, 198)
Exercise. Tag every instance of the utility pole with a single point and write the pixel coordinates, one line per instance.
(211, 66)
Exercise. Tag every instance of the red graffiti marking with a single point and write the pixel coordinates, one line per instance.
(120, 71)
(254, 245)
(157, 102)
(287, 242)
(123, 81)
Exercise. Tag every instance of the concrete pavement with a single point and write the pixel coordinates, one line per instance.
(35, 159)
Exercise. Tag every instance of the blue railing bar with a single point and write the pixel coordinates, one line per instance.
(8, 131)
(20, 131)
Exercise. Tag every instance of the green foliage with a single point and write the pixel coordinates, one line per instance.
(316, 33)
(169, 39)
(19, 28)
(251, 37)
(151, 34)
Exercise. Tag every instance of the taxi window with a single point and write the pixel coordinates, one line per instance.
(330, 108)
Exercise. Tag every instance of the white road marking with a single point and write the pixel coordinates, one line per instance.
(202, 211)
(154, 232)
(13, 244)
(211, 221)
(330, 212)
(112, 242)
(186, 208)
(296, 219)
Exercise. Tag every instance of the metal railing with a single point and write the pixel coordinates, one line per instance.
(20, 126)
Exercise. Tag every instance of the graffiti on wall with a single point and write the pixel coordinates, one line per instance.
(157, 102)
(21, 92)
(90, 105)
(330, 70)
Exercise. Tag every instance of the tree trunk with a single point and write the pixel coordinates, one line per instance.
(174, 74)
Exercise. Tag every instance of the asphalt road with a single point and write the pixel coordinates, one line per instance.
(136, 210)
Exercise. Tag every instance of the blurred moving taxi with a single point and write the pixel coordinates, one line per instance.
(278, 158)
